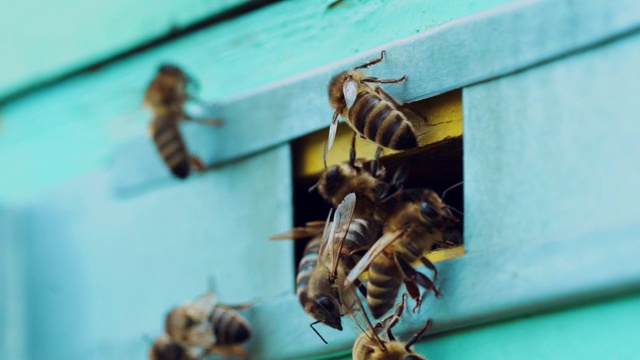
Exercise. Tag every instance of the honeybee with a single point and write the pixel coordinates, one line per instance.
(369, 110)
(419, 221)
(367, 182)
(370, 346)
(327, 260)
(216, 328)
(165, 97)
(165, 348)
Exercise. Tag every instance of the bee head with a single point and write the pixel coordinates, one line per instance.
(171, 70)
(188, 328)
(327, 311)
(433, 208)
(330, 182)
(164, 348)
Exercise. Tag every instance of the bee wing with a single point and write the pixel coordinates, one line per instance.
(332, 136)
(341, 221)
(350, 91)
(324, 244)
(388, 97)
(382, 243)
(203, 306)
(311, 229)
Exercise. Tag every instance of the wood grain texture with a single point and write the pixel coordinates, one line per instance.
(43, 40)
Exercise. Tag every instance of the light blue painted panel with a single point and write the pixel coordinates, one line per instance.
(13, 310)
(96, 112)
(457, 54)
(104, 270)
(40, 40)
(554, 151)
(607, 330)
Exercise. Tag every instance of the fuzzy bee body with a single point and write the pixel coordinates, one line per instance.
(215, 328)
(319, 290)
(165, 97)
(369, 110)
(170, 145)
(418, 222)
(379, 343)
(165, 348)
(229, 326)
(366, 182)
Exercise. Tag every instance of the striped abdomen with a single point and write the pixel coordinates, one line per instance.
(360, 236)
(385, 280)
(169, 142)
(379, 121)
(229, 326)
(305, 268)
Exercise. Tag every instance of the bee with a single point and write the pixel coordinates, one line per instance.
(165, 97)
(327, 260)
(214, 327)
(366, 182)
(165, 348)
(369, 110)
(419, 221)
(370, 346)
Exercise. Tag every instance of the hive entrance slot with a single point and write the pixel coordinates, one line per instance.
(435, 164)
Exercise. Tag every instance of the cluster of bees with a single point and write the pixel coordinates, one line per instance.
(358, 258)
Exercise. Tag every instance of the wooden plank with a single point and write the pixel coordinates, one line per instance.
(534, 32)
(106, 269)
(44, 37)
(229, 59)
(553, 150)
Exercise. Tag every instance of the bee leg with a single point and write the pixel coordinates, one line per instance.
(390, 321)
(372, 62)
(411, 273)
(204, 121)
(352, 150)
(361, 287)
(197, 164)
(414, 293)
(430, 265)
(417, 335)
(382, 81)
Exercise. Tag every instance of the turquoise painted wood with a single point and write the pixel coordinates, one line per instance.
(100, 110)
(100, 272)
(550, 158)
(40, 40)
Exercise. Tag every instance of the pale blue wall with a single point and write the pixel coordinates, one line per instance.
(101, 271)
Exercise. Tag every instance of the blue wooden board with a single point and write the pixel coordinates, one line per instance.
(100, 272)
(454, 55)
(42, 40)
(101, 110)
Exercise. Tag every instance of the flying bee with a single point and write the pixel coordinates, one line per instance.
(328, 259)
(419, 221)
(165, 97)
(216, 328)
(370, 346)
(165, 348)
(369, 110)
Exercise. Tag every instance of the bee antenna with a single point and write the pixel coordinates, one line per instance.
(325, 151)
(444, 193)
(316, 331)
(455, 210)
(315, 186)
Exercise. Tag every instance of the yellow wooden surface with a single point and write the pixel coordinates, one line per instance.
(444, 120)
